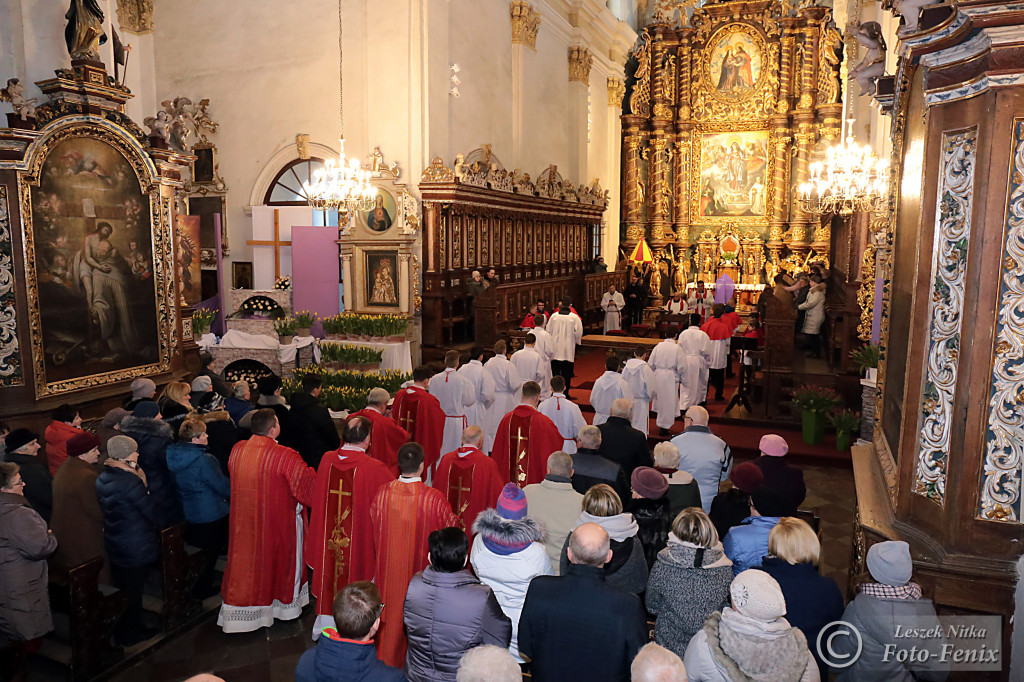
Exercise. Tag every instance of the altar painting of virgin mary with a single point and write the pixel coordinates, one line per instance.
(382, 278)
(735, 64)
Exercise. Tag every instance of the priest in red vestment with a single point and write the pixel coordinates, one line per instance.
(340, 543)
(469, 479)
(270, 486)
(404, 513)
(524, 440)
(420, 413)
(386, 436)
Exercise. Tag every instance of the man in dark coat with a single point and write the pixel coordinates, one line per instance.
(636, 300)
(269, 388)
(590, 468)
(152, 435)
(620, 442)
(23, 449)
(779, 476)
(220, 387)
(311, 430)
(575, 627)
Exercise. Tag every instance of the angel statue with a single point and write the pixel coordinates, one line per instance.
(84, 32)
(15, 94)
(872, 67)
(656, 277)
(158, 126)
(680, 275)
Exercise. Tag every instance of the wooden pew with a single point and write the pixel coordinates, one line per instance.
(180, 571)
(93, 612)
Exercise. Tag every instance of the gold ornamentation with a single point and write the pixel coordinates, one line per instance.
(525, 23)
(437, 172)
(714, 102)
(10, 353)
(866, 294)
(640, 100)
(135, 15)
(696, 160)
(580, 61)
(829, 62)
(616, 91)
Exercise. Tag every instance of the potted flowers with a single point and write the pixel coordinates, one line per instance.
(866, 358)
(202, 318)
(846, 423)
(285, 328)
(815, 402)
(303, 322)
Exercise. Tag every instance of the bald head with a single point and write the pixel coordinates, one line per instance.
(378, 398)
(589, 437)
(473, 435)
(590, 545)
(697, 415)
(655, 663)
(622, 407)
(560, 464)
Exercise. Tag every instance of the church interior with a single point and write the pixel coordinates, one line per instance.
(746, 232)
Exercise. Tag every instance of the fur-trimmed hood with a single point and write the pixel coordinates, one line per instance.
(507, 531)
(216, 416)
(132, 426)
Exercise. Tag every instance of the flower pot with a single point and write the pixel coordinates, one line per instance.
(284, 339)
(303, 331)
(871, 374)
(397, 338)
(814, 427)
(843, 440)
(370, 367)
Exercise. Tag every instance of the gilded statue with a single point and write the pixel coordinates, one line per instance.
(656, 277)
(84, 32)
(680, 276)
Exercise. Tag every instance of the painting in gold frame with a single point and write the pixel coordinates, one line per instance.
(98, 260)
(731, 176)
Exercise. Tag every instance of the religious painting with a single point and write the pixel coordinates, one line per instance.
(93, 267)
(241, 275)
(382, 215)
(382, 278)
(188, 265)
(733, 176)
(736, 61)
(204, 168)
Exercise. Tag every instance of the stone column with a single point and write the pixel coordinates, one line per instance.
(580, 61)
(525, 25)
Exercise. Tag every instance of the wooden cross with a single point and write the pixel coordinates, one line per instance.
(276, 243)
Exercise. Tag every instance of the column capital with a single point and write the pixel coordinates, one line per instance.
(580, 61)
(616, 91)
(525, 23)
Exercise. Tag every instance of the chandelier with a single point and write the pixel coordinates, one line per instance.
(850, 179)
(342, 185)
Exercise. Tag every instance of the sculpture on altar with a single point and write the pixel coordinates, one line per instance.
(24, 107)
(84, 33)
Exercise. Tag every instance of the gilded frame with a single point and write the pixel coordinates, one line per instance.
(162, 244)
(698, 221)
(759, 102)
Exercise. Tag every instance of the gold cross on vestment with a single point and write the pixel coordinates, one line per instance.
(339, 540)
(407, 419)
(276, 243)
(460, 506)
(521, 453)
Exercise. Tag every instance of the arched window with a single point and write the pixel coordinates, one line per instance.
(286, 188)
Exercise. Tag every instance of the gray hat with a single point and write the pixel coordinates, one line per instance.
(121, 447)
(202, 383)
(142, 388)
(890, 563)
(114, 417)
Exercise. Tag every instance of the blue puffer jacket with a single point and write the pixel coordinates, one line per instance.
(153, 436)
(747, 543)
(130, 527)
(204, 489)
(334, 659)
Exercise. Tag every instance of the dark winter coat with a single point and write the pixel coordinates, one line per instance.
(153, 436)
(238, 408)
(627, 571)
(173, 413)
(38, 482)
(77, 521)
(682, 596)
(624, 445)
(311, 430)
(683, 491)
(223, 435)
(203, 487)
(729, 509)
(652, 516)
(591, 468)
(24, 546)
(446, 615)
(812, 600)
(331, 660)
(783, 479)
(130, 522)
(577, 627)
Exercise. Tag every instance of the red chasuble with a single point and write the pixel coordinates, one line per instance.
(385, 438)
(403, 515)
(267, 482)
(339, 545)
(717, 328)
(524, 440)
(471, 483)
(420, 413)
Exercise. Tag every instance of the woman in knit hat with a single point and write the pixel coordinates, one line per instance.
(751, 640)
(729, 508)
(649, 506)
(891, 599)
(683, 490)
(627, 569)
(508, 552)
(23, 448)
(689, 581)
(109, 427)
(786, 480)
(77, 519)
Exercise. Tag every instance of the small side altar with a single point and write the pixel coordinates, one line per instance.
(281, 359)
(256, 309)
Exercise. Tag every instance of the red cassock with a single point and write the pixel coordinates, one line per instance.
(420, 413)
(385, 438)
(267, 482)
(339, 546)
(733, 318)
(471, 483)
(403, 515)
(524, 440)
(717, 328)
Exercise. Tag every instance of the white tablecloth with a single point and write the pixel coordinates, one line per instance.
(397, 355)
(206, 340)
(239, 339)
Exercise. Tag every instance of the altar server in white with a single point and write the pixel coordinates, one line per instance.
(455, 393)
(529, 363)
(608, 388)
(696, 347)
(612, 304)
(483, 387)
(668, 362)
(507, 384)
(566, 331)
(700, 301)
(546, 347)
(676, 305)
(565, 413)
(640, 378)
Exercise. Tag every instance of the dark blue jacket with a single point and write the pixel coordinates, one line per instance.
(332, 660)
(812, 600)
(153, 436)
(238, 408)
(130, 528)
(204, 489)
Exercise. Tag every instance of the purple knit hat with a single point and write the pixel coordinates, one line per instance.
(511, 502)
(506, 529)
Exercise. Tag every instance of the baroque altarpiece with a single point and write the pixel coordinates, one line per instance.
(721, 119)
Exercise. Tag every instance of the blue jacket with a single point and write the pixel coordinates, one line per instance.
(238, 408)
(747, 543)
(130, 525)
(204, 489)
(333, 659)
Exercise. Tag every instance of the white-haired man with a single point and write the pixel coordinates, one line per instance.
(555, 504)
(655, 663)
(488, 663)
(387, 435)
(703, 454)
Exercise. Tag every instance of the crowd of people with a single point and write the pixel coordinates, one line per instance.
(498, 527)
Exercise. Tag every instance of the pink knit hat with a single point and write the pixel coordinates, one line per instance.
(773, 445)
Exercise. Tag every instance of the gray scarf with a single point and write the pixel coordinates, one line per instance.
(749, 649)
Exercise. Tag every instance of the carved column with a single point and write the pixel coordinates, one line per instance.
(613, 216)
(683, 141)
(633, 199)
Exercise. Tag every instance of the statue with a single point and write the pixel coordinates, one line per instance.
(84, 32)
(910, 10)
(158, 126)
(656, 278)
(679, 277)
(872, 67)
(15, 94)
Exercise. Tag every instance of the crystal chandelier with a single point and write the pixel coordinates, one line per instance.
(342, 185)
(850, 179)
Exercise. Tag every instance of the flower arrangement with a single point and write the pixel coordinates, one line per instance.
(865, 357)
(283, 283)
(304, 318)
(359, 325)
(350, 354)
(346, 390)
(844, 421)
(202, 318)
(815, 398)
(285, 326)
(261, 307)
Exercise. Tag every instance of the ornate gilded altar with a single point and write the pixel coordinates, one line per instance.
(721, 118)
